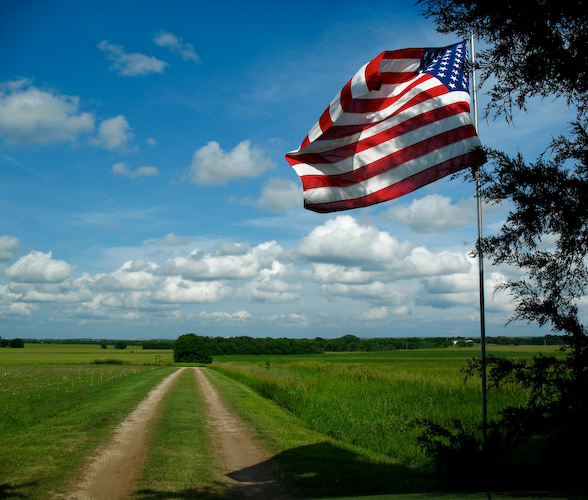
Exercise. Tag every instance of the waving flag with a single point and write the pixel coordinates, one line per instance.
(403, 121)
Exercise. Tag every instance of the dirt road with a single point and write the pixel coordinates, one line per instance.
(248, 471)
(113, 472)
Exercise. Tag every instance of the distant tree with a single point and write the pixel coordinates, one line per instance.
(18, 343)
(191, 348)
(120, 344)
(103, 345)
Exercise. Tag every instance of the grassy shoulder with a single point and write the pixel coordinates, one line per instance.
(56, 415)
(313, 464)
(180, 462)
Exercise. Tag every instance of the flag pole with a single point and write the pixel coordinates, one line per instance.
(479, 247)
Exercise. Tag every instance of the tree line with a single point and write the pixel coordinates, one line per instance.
(219, 346)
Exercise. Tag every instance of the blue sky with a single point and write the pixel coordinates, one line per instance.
(144, 191)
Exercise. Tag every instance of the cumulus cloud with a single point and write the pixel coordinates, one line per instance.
(212, 165)
(343, 240)
(8, 247)
(434, 214)
(198, 265)
(134, 64)
(176, 45)
(114, 134)
(376, 314)
(31, 115)
(280, 194)
(122, 170)
(39, 267)
(174, 289)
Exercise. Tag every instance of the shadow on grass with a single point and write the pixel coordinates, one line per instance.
(12, 491)
(320, 470)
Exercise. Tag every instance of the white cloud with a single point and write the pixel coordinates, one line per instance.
(176, 45)
(344, 240)
(38, 267)
(8, 247)
(377, 313)
(280, 194)
(221, 315)
(174, 289)
(114, 134)
(198, 265)
(434, 214)
(134, 64)
(212, 165)
(123, 170)
(30, 115)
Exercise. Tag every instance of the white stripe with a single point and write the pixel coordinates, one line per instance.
(387, 123)
(400, 65)
(386, 148)
(358, 85)
(391, 177)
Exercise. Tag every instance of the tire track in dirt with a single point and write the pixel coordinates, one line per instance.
(112, 473)
(248, 472)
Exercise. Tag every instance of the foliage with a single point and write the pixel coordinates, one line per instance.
(536, 47)
(191, 348)
(120, 344)
(16, 343)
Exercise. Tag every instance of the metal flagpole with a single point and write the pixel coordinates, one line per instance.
(480, 254)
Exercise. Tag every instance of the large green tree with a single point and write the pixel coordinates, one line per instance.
(534, 48)
(191, 348)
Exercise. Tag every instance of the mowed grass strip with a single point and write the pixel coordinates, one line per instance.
(313, 464)
(53, 417)
(180, 463)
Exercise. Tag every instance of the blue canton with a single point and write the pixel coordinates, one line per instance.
(447, 64)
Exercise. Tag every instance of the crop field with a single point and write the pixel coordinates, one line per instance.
(57, 406)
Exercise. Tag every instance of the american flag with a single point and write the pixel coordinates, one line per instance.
(403, 121)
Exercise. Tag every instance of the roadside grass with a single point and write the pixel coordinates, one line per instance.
(180, 463)
(54, 416)
(311, 462)
(61, 354)
(371, 405)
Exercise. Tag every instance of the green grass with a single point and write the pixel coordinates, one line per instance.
(314, 464)
(181, 463)
(52, 417)
(369, 399)
(58, 354)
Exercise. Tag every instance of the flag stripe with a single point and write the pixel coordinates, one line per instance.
(395, 190)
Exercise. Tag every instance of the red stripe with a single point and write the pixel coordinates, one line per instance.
(325, 120)
(389, 162)
(373, 105)
(339, 154)
(402, 187)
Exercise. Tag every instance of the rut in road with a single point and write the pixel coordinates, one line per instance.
(248, 472)
(113, 472)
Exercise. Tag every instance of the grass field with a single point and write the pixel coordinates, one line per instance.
(371, 399)
(339, 428)
(58, 354)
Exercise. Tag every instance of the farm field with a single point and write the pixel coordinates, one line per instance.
(339, 427)
(37, 353)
